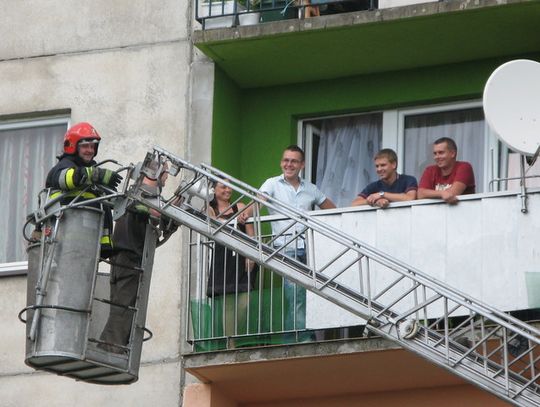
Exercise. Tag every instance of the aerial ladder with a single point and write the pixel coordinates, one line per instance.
(488, 348)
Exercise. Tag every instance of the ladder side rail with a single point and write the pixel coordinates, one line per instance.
(320, 227)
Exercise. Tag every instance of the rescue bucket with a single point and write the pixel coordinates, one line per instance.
(62, 270)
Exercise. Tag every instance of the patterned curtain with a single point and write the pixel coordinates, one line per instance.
(26, 155)
(345, 160)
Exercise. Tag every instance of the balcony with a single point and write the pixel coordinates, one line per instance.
(349, 44)
(482, 247)
(227, 13)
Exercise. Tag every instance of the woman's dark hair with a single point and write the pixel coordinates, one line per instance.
(213, 203)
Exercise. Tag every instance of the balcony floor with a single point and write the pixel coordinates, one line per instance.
(320, 370)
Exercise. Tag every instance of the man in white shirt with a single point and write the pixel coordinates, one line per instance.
(300, 194)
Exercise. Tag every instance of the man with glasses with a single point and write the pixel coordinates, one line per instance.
(300, 194)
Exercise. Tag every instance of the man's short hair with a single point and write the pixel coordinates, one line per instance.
(449, 142)
(296, 149)
(387, 153)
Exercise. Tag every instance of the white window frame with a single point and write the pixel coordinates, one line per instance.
(21, 267)
(305, 141)
(393, 136)
(491, 144)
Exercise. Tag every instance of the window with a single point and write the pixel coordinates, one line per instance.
(27, 151)
(465, 126)
(339, 150)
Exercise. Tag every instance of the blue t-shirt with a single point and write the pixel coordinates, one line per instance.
(402, 184)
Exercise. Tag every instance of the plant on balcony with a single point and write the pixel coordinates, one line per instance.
(250, 5)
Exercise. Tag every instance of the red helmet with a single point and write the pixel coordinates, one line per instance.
(79, 132)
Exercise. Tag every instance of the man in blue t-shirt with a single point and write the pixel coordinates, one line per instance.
(391, 186)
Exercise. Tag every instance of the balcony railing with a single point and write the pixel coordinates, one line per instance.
(234, 302)
(230, 13)
(228, 307)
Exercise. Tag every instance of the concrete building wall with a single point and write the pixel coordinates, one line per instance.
(123, 66)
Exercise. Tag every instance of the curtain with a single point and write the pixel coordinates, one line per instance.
(345, 159)
(465, 127)
(26, 155)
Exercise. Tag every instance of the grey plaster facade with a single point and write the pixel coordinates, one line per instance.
(125, 67)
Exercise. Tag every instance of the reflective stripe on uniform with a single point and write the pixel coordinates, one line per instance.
(89, 173)
(107, 177)
(106, 239)
(70, 182)
(141, 208)
(65, 180)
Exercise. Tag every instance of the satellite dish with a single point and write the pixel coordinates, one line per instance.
(512, 105)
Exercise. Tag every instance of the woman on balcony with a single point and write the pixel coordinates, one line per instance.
(231, 276)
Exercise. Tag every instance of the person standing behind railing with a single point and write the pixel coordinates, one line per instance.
(391, 186)
(230, 273)
(301, 194)
(448, 178)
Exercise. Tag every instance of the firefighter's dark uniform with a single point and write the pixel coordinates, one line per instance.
(70, 175)
(128, 237)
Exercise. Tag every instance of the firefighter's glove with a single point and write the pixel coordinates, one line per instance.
(106, 177)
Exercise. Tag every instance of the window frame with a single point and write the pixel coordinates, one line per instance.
(393, 136)
(305, 141)
(21, 267)
(491, 143)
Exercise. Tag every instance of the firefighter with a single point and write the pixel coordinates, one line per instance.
(129, 238)
(75, 171)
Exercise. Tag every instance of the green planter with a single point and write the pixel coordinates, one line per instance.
(208, 328)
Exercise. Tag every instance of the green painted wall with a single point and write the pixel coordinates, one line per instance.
(226, 132)
(266, 118)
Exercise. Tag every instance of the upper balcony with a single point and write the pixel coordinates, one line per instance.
(286, 47)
